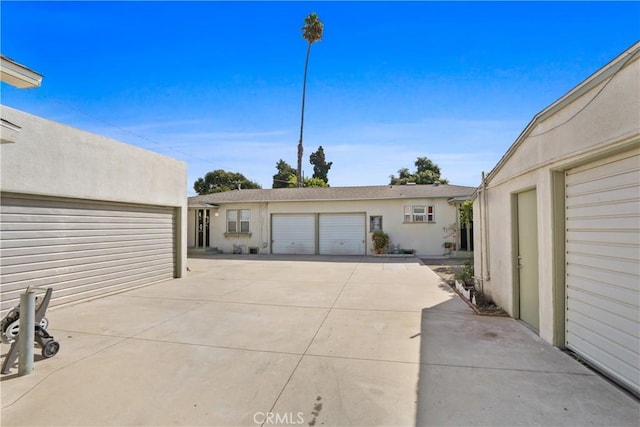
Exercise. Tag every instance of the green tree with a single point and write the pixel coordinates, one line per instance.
(320, 165)
(466, 212)
(311, 32)
(285, 172)
(315, 182)
(426, 172)
(423, 164)
(220, 180)
(307, 182)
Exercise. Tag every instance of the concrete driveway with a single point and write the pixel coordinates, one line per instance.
(302, 341)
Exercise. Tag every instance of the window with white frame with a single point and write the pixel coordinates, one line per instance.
(238, 220)
(423, 213)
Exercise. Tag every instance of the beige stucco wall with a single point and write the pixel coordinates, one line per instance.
(51, 159)
(425, 238)
(601, 122)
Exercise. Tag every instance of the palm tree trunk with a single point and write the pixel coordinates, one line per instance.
(304, 91)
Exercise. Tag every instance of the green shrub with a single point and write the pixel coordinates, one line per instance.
(465, 274)
(380, 241)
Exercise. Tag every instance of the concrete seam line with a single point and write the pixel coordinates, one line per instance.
(61, 369)
(222, 347)
(447, 365)
(293, 371)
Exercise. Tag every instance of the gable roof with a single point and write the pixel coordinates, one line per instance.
(310, 194)
(604, 74)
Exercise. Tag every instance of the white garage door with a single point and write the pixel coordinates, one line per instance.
(603, 266)
(293, 234)
(342, 234)
(81, 249)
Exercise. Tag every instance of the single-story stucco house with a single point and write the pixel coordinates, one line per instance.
(557, 222)
(328, 221)
(84, 214)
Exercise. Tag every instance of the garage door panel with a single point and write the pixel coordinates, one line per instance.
(587, 309)
(77, 245)
(53, 250)
(91, 290)
(86, 255)
(601, 198)
(606, 237)
(624, 357)
(605, 183)
(628, 267)
(86, 278)
(58, 270)
(627, 252)
(80, 221)
(108, 281)
(605, 223)
(603, 265)
(43, 242)
(582, 282)
(293, 234)
(44, 263)
(22, 219)
(342, 234)
(80, 215)
(607, 277)
(619, 208)
(600, 357)
(76, 208)
(610, 167)
(99, 232)
(55, 226)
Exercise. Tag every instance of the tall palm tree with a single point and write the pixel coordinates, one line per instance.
(311, 32)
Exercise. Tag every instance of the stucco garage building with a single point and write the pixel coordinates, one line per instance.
(84, 214)
(331, 221)
(557, 222)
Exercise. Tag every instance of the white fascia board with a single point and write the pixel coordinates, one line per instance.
(8, 131)
(18, 75)
(201, 205)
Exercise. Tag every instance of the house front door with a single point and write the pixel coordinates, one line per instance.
(203, 228)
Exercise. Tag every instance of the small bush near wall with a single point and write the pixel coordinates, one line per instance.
(380, 242)
(465, 274)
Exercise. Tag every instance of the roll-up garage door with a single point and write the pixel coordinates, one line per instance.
(82, 249)
(603, 266)
(293, 234)
(342, 234)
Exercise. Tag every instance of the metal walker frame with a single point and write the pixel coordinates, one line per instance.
(10, 333)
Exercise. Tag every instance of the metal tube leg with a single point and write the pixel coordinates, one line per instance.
(26, 335)
(11, 358)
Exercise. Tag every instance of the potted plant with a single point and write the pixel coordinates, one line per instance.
(447, 247)
(380, 241)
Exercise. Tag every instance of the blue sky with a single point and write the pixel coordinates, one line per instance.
(218, 84)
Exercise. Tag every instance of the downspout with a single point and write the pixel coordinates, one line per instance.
(481, 242)
(485, 229)
(457, 230)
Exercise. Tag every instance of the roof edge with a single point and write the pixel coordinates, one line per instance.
(18, 75)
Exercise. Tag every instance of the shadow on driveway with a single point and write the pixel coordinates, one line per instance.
(478, 370)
